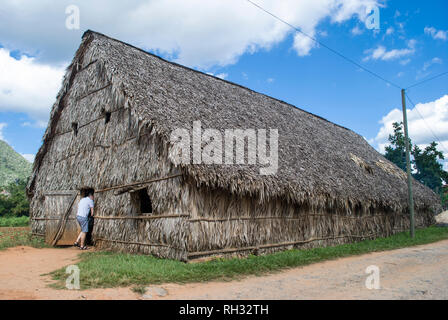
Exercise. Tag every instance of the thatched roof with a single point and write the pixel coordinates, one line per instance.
(320, 163)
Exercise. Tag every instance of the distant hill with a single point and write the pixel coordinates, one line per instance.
(12, 165)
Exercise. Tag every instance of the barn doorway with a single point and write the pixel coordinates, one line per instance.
(84, 192)
(61, 227)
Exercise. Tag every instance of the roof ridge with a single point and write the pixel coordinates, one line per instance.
(87, 32)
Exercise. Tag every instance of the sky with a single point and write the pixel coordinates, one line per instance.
(235, 40)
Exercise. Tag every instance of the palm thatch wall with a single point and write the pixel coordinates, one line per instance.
(109, 130)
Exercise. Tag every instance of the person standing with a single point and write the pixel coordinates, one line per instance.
(85, 208)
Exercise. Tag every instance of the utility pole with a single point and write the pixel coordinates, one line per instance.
(408, 162)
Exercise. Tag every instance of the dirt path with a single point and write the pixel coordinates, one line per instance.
(21, 270)
(411, 273)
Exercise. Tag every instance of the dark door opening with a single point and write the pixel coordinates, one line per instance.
(84, 192)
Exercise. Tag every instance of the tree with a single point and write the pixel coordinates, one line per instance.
(445, 200)
(396, 151)
(16, 203)
(426, 166)
(429, 171)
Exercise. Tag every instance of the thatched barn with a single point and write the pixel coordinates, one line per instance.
(110, 130)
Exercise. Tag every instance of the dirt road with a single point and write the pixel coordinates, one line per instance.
(411, 273)
(22, 269)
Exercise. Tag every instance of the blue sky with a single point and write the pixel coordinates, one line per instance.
(249, 48)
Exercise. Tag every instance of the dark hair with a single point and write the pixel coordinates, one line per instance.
(90, 193)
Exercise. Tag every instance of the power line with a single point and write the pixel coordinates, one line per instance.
(435, 136)
(324, 45)
(432, 78)
(358, 65)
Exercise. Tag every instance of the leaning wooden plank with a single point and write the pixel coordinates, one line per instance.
(62, 222)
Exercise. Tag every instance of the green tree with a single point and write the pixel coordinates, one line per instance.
(396, 151)
(426, 164)
(445, 200)
(16, 202)
(429, 170)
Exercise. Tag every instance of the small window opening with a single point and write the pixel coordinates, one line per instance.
(142, 201)
(75, 128)
(107, 117)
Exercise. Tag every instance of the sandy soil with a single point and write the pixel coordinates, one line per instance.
(411, 273)
(22, 269)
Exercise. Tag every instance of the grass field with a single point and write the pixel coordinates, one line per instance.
(107, 269)
(14, 221)
(19, 236)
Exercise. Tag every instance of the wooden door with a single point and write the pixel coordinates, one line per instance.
(60, 212)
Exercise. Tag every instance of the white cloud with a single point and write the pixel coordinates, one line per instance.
(222, 75)
(405, 62)
(197, 33)
(436, 34)
(428, 64)
(435, 114)
(28, 86)
(270, 80)
(219, 75)
(2, 126)
(356, 31)
(390, 31)
(423, 72)
(381, 53)
(29, 157)
(303, 44)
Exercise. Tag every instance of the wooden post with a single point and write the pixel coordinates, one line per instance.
(408, 163)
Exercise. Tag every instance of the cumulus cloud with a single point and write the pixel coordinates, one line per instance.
(381, 53)
(421, 131)
(28, 86)
(197, 33)
(436, 34)
(303, 44)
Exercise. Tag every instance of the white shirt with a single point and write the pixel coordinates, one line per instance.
(84, 207)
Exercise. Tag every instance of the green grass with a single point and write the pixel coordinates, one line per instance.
(13, 237)
(14, 221)
(107, 269)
